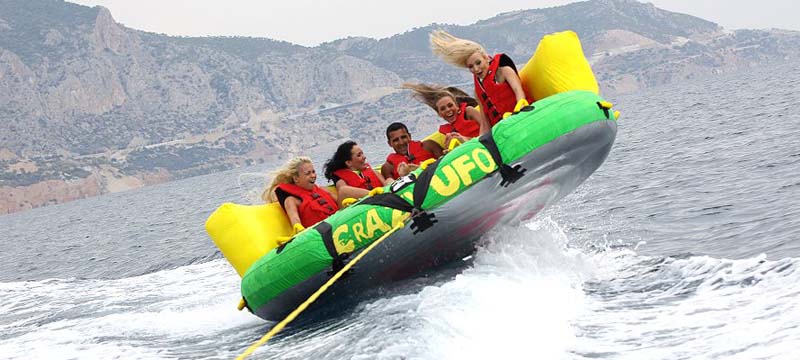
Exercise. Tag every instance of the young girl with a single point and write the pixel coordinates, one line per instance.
(464, 121)
(497, 83)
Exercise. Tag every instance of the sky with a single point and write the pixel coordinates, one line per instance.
(311, 22)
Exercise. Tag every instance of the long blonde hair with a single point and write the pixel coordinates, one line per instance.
(427, 94)
(284, 175)
(453, 50)
(430, 94)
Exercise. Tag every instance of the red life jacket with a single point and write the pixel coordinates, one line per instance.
(461, 125)
(368, 179)
(496, 99)
(418, 155)
(315, 205)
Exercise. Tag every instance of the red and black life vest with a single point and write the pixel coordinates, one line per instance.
(315, 205)
(496, 99)
(368, 179)
(416, 155)
(461, 125)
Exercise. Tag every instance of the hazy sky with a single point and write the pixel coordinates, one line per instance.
(310, 22)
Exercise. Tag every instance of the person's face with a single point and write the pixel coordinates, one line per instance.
(357, 158)
(447, 109)
(478, 64)
(306, 177)
(398, 140)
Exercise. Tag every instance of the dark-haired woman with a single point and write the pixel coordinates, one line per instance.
(349, 171)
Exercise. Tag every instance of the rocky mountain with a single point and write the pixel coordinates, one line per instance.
(88, 106)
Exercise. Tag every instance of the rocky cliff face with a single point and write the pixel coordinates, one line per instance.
(88, 106)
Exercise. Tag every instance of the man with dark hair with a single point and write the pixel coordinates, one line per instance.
(407, 155)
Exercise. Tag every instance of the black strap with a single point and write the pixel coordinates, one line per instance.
(326, 230)
(338, 264)
(423, 183)
(605, 111)
(421, 220)
(390, 200)
(509, 174)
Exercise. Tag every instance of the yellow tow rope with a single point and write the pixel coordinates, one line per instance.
(278, 327)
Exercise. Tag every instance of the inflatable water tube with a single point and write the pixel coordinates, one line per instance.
(526, 163)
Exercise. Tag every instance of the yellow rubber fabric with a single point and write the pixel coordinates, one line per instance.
(557, 66)
(244, 233)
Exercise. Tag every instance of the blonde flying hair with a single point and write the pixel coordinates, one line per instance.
(430, 94)
(284, 175)
(453, 50)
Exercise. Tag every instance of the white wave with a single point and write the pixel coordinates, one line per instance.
(699, 307)
(519, 299)
(527, 295)
(140, 317)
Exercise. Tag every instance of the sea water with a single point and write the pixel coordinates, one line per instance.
(684, 244)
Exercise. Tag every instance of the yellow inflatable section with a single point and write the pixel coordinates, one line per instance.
(244, 233)
(436, 137)
(558, 65)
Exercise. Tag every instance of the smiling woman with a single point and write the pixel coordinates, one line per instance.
(497, 83)
(464, 120)
(294, 187)
(350, 173)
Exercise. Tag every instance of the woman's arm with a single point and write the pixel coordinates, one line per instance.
(404, 169)
(292, 204)
(333, 195)
(382, 178)
(472, 113)
(508, 74)
(387, 170)
(347, 191)
(432, 147)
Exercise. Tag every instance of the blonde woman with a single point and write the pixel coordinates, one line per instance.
(453, 105)
(497, 84)
(294, 187)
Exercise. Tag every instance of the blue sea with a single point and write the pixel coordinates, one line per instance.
(684, 244)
